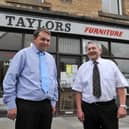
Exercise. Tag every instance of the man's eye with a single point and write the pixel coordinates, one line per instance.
(91, 49)
(44, 39)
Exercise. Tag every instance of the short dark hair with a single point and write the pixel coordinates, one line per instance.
(36, 32)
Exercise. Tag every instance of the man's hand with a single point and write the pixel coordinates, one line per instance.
(80, 115)
(53, 110)
(11, 114)
(121, 112)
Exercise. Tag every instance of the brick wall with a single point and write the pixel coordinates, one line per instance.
(77, 7)
(2, 2)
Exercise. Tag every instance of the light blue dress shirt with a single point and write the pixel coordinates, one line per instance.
(110, 76)
(22, 79)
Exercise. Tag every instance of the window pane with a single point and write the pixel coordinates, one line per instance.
(32, 1)
(84, 59)
(10, 41)
(67, 1)
(6, 56)
(69, 45)
(54, 56)
(53, 44)
(123, 65)
(110, 6)
(120, 50)
(70, 60)
(68, 69)
(104, 45)
(28, 40)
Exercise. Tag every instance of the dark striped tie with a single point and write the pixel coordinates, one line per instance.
(96, 81)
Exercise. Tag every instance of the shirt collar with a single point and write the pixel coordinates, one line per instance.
(98, 60)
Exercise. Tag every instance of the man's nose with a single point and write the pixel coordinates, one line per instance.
(45, 41)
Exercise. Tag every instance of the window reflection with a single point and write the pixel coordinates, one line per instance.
(28, 40)
(53, 44)
(123, 65)
(69, 45)
(120, 50)
(10, 41)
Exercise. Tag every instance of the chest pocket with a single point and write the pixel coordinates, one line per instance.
(86, 78)
(108, 75)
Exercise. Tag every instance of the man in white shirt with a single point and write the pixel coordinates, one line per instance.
(95, 97)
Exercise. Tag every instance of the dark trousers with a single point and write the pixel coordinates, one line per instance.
(33, 114)
(101, 115)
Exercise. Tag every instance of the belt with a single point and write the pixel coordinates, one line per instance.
(33, 101)
(101, 103)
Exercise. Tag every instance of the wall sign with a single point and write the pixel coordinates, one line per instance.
(55, 25)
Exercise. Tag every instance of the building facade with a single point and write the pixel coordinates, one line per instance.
(72, 23)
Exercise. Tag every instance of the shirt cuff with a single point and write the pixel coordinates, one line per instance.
(11, 105)
(53, 103)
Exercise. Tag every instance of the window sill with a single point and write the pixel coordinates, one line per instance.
(42, 5)
(113, 16)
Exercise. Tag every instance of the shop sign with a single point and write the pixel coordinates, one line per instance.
(59, 25)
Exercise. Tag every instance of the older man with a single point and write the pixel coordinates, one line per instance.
(97, 84)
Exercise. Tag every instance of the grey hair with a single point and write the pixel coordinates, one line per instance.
(94, 42)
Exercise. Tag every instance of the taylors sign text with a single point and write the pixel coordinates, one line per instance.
(32, 23)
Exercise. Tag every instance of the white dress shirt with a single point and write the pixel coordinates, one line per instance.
(110, 76)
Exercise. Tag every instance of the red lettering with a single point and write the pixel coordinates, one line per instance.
(87, 29)
(107, 32)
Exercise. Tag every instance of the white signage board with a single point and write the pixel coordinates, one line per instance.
(63, 26)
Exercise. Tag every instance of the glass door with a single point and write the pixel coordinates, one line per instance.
(5, 58)
(3, 68)
(68, 69)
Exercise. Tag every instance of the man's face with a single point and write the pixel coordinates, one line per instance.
(93, 51)
(42, 41)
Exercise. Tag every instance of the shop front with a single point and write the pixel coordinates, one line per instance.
(70, 35)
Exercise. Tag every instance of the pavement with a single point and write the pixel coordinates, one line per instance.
(59, 122)
(62, 122)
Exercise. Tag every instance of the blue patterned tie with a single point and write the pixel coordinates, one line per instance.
(43, 72)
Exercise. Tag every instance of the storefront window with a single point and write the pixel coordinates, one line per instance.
(5, 58)
(120, 50)
(10, 41)
(28, 40)
(84, 59)
(123, 65)
(104, 45)
(68, 69)
(53, 44)
(69, 45)
(6, 55)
